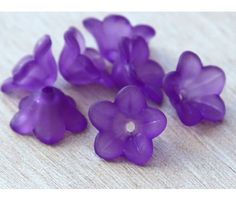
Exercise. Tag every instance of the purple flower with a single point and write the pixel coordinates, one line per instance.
(35, 71)
(80, 65)
(134, 67)
(111, 30)
(48, 113)
(127, 126)
(195, 90)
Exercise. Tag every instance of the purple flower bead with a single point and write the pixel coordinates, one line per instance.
(35, 71)
(195, 90)
(134, 67)
(126, 126)
(80, 65)
(47, 114)
(111, 30)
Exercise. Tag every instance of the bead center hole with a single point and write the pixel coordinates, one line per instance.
(130, 127)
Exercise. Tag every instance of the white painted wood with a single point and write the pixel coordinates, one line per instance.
(203, 156)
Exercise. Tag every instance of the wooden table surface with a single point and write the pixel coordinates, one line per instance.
(203, 156)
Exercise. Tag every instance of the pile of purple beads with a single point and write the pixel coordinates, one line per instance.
(126, 126)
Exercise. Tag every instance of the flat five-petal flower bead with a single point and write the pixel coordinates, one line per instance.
(194, 90)
(126, 126)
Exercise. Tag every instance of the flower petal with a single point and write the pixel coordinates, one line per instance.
(145, 31)
(46, 62)
(71, 49)
(30, 77)
(101, 115)
(134, 51)
(8, 86)
(125, 48)
(138, 149)
(100, 64)
(50, 127)
(121, 75)
(81, 72)
(25, 102)
(140, 51)
(115, 28)
(43, 45)
(74, 38)
(130, 100)
(18, 67)
(96, 58)
(155, 94)
(189, 65)
(118, 126)
(94, 26)
(171, 87)
(24, 121)
(188, 113)
(211, 107)
(152, 122)
(210, 81)
(74, 120)
(107, 146)
(150, 73)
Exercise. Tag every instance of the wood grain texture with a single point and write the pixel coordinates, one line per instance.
(203, 156)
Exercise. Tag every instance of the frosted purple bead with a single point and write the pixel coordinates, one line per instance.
(33, 71)
(126, 126)
(194, 90)
(111, 30)
(134, 66)
(48, 114)
(80, 65)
